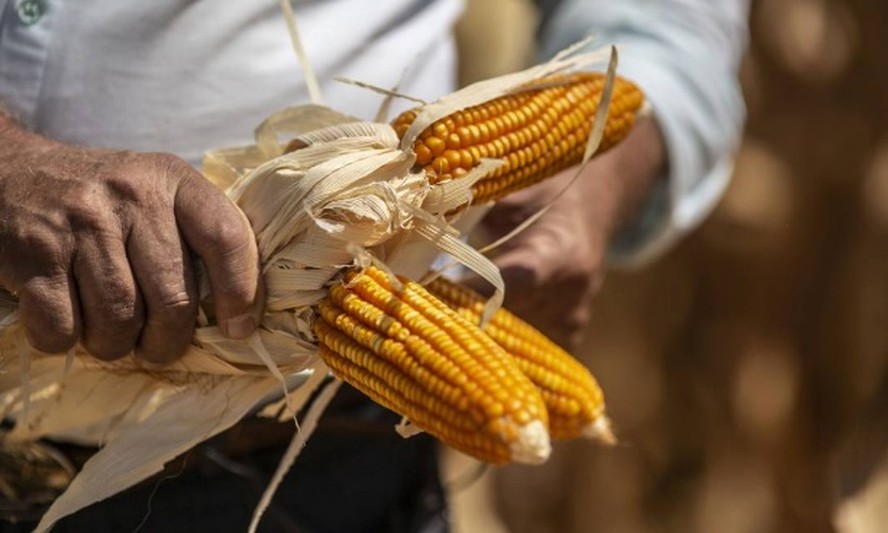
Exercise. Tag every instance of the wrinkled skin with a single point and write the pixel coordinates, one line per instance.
(554, 268)
(100, 248)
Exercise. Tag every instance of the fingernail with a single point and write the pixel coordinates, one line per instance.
(240, 327)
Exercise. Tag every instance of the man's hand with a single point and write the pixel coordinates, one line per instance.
(98, 247)
(555, 267)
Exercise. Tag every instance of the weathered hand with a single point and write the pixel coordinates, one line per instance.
(98, 247)
(554, 268)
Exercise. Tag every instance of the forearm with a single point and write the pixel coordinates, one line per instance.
(685, 55)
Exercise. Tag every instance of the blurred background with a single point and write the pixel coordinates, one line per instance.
(746, 371)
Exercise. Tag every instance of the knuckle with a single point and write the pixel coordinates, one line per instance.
(123, 316)
(129, 184)
(231, 239)
(44, 250)
(174, 311)
(38, 240)
(144, 178)
(87, 214)
(124, 187)
(166, 161)
(169, 166)
(177, 302)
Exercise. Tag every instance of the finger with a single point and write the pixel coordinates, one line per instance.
(111, 306)
(511, 254)
(220, 234)
(165, 277)
(526, 270)
(508, 213)
(49, 310)
(563, 313)
(520, 281)
(522, 267)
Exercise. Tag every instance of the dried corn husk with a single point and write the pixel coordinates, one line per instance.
(347, 196)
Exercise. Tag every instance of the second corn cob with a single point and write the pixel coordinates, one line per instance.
(573, 398)
(413, 354)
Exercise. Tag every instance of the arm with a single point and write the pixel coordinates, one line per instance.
(636, 200)
(98, 247)
(685, 55)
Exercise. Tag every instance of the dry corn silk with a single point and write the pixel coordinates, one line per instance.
(347, 213)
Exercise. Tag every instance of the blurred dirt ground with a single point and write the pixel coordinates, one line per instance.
(746, 371)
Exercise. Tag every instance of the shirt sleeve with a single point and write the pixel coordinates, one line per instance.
(685, 55)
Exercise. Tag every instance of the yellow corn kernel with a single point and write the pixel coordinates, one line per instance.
(411, 353)
(573, 398)
(539, 132)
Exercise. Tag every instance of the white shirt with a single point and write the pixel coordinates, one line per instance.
(185, 76)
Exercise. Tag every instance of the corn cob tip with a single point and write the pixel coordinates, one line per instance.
(573, 398)
(601, 430)
(532, 446)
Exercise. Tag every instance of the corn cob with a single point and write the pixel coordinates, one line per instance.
(573, 398)
(538, 132)
(411, 353)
